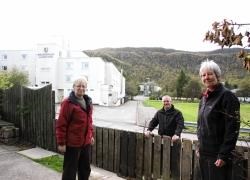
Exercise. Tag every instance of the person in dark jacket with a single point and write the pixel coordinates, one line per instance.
(218, 125)
(74, 132)
(169, 119)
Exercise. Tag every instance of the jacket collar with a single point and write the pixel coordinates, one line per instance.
(207, 93)
(73, 99)
(168, 110)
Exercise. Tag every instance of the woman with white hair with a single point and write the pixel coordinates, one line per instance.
(218, 125)
(74, 132)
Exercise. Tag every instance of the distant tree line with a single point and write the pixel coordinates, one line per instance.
(176, 72)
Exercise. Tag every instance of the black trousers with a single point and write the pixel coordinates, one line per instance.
(211, 172)
(76, 160)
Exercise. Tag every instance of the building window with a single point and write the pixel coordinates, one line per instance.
(68, 91)
(4, 57)
(4, 68)
(68, 78)
(23, 67)
(45, 82)
(24, 56)
(45, 69)
(69, 65)
(85, 65)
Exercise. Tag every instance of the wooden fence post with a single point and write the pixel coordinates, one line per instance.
(105, 145)
(175, 160)
(239, 171)
(157, 154)
(124, 154)
(166, 158)
(93, 149)
(117, 151)
(111, 150)
(139, 155)
(99, 145)
(186, 159)
(147, 169)
(131, 154)
(196, 168)
(248, 163)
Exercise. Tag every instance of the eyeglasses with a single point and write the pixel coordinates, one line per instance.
(80, 86)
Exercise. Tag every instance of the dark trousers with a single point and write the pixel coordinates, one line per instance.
(76, 160)
(211, 172)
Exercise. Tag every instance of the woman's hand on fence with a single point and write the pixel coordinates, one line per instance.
(148, 133)
(62, 148)
(219, 163)
(175, 137)
(92, 141)
(197, 152)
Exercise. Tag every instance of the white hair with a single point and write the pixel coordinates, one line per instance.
(80, 80)
(210, 65)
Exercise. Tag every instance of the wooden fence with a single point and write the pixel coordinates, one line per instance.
(131, 155)
(33, 111)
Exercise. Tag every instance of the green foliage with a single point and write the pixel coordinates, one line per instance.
(131, 88)
(182, 80)
(54, 162)
(244, 88)
(192, 89)
(4, 80)
(13, 77)
(229, 86)
(17, 77)
(154, 97)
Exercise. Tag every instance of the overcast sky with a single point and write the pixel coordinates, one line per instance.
(92, 24)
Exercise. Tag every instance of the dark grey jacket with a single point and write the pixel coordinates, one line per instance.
(170, 122)
(218, 123)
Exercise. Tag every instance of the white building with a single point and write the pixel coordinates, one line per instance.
(51, 63)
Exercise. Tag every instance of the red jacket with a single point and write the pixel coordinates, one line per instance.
(74, 125)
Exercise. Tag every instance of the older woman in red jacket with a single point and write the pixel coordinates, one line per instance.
(74, 132)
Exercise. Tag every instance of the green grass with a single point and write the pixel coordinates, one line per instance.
(245, 114)
(190, 110)
(53, 162)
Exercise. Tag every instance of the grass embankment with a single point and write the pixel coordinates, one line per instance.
(53, 162)
(190, 110)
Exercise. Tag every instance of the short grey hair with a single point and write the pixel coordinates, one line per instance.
(81, 80)
(211, 65)
(166, 97)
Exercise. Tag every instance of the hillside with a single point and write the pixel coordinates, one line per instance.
(159, 63)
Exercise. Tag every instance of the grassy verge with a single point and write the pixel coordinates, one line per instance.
(53, 162)
(190, 110)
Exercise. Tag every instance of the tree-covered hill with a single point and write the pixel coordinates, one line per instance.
(163, 65)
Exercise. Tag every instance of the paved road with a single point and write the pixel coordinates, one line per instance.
(14, 166)
(129, 116)
(132, 116)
